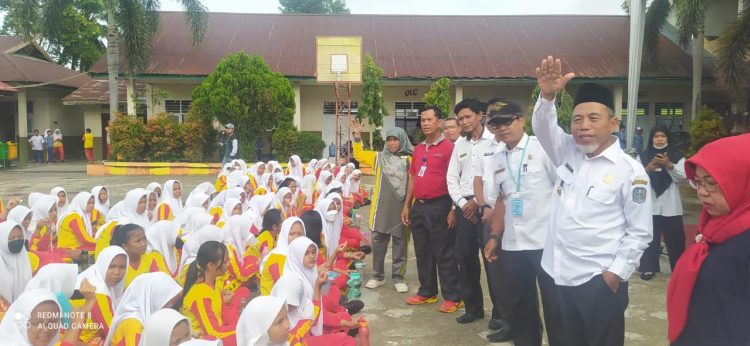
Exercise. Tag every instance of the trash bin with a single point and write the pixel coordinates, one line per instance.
(12, 150)
(4, 155)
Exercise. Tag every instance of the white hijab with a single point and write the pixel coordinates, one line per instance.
(297, 276)
(196, 200)
(41, 208)
(97, 274)
(152, 187)
(296, 170)
(159, 326)
(147, 294)
(161, 238)
(264, 181)
(15, 269)
(57, 135)
(226, 209)
(204, 187)
(279, 200)
(56, 277)
(103, 208)
(195, 222)
(167, 196)
(237, 233)
(13, 331)
(33, 197)
(321, 184)
(256, 319)
(61, 209)
(18, 214)
(78, 206)
(331, 230)
(234, 179)
(254, 170)
(260, 204)
(128, 208)
(351, 186)
(312, 166)
(193, 244)
(282, 243)
(308, 187)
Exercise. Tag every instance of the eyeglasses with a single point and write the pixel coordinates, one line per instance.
(708, 186)
(500, 123)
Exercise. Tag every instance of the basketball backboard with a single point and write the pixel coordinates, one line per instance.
(339, 59)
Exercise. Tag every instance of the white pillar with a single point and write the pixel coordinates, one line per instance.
(21, 129)
(634, 67)
(149, 101)
(618, 101)
(130, 95)
(297, 107)
(459, 94)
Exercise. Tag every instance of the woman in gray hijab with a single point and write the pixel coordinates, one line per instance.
(391, 167)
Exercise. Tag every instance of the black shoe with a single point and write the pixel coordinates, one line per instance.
(468, 318)
(647, 276)
(496, 324)
(353, 306)
(353, 332)
(501, 336)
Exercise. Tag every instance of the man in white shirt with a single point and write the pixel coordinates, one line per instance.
(451, 130)
(37, 147)
(601, 212)
(524, 177)
(469, 228)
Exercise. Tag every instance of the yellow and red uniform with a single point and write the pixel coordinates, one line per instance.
(101, 316)
(238, 274)
(301, 331)
(271, 272)
(97, 219)
(164, 212)
(104, 238)
(253, 182)
(221, 183)
(127, 333)
(72, 234)
(202, 306)
(265, 241)
(149, 263)
(216, 213)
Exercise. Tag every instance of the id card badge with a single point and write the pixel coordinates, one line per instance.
(421, 171)
(516, 206)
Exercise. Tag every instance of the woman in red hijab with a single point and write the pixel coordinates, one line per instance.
(708, 300)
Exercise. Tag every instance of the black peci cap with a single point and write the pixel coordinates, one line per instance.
(593, 92)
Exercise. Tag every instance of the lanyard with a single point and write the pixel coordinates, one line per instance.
(517, 181)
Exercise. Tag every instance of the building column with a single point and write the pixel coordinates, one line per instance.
(297, 107)
(149, 101)
(130, 96)
(21, 128)
(618, 101)
(459, 94)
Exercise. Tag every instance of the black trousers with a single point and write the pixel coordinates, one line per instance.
(674, 238)
(497, 280)
(434, 245)
(525, 270)
(592, 314)
(469, 240)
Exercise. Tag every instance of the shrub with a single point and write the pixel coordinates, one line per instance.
(194, 135)
(287, 141)
(309, 146)
(706, 128)
(377, 141)
(127, 138)
(162, 139)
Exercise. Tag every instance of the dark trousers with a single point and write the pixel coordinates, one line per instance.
(674, 238)
(525, 269)
(433, 246)
(38, 155)
(497, 280)
(469, 239)
(592, 314)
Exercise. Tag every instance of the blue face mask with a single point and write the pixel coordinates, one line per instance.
(66, 307)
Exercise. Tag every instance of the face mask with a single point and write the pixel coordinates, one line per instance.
(660, 146)
(15, 246)
(179, 243)
(331, 215)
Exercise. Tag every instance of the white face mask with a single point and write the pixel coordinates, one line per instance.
(331, 215)
(660, 146)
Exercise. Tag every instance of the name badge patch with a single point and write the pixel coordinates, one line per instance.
(639, 195)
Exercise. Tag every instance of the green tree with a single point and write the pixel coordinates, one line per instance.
(314, 6)
(131, 25)
(439, 95)
(372, 108)
(731, 68)
(564, 105)
(706, 128)
(244, 91)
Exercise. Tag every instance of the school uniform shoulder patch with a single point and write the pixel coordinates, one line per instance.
(639, 194)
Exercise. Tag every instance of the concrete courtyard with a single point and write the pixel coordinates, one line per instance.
(392, 322)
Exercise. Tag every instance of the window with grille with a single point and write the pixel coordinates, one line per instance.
(641, 109)
(329, 107)
(673, 109)
(407, 116)
(177, 109)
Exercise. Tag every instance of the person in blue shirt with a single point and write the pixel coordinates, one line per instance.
(638, 140)
(622, 136)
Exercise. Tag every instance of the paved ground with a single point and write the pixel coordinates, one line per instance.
(392, 321)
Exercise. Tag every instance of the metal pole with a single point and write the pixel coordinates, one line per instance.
(634, 65)
(349, 123)
(337, 152)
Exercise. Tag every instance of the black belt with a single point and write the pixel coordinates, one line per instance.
(431, 200)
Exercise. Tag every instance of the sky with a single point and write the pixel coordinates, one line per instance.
(430, 7)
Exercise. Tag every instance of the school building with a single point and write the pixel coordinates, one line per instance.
(484, 56)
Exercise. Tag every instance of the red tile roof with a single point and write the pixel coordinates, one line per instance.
(421, 47)
(97, 92)
(20, 68)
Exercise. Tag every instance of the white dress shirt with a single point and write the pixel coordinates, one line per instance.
(460, 175)
(485, 166)
(669, 203)
(527, 231)
(601, 212)
(37, 142)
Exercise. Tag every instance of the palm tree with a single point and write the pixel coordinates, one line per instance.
(731, 56)
(131, 25)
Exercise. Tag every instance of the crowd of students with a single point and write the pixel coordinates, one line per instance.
(164, 267)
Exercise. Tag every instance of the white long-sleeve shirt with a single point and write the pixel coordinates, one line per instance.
(234, 148)
(484, 166)
(601, 209)
(460, 175)
(669, 203)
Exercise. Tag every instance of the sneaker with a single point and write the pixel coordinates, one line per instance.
(419, 300)
(449, 306)
(374, 283)
(401, 287)
(647, 276)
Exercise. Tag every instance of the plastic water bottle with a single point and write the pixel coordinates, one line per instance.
(364, 332)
